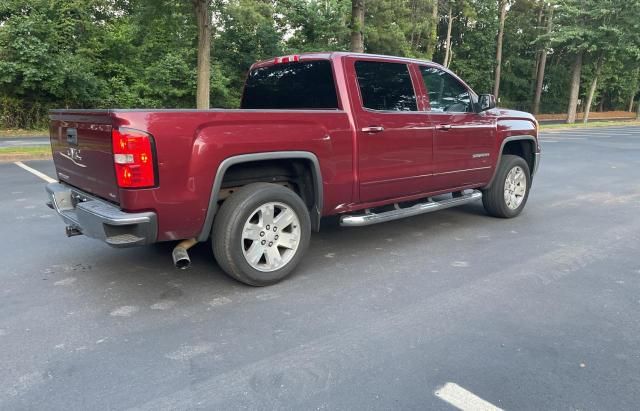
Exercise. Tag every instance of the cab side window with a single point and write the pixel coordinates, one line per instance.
(446, 94)
(386, 86)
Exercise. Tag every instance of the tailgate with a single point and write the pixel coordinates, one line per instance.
(82, 152)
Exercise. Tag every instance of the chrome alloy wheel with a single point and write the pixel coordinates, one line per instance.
(271, 236)
(515, 187)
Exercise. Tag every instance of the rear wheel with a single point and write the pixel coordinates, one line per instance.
(261, 233)
(509, 192)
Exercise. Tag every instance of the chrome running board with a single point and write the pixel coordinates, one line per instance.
(427, 207)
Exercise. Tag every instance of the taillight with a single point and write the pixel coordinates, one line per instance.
(287, 59)
(133, 158)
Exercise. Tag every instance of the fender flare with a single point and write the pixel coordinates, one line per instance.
(316, 212)
(509, 139)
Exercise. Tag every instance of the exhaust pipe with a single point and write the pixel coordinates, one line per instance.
(180, 253)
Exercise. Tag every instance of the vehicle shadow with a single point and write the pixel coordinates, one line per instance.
(147, 274)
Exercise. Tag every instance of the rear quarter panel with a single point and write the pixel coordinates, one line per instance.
(191, 145)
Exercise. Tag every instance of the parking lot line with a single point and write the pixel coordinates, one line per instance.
(462, 399)
(35, 172)
(562, 137)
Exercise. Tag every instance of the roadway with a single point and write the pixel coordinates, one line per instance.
(537, 312)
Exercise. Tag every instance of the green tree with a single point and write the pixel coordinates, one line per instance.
(150, 53)
(473, 42)
(202, 12)
(247, 32)
(43, 50)
(314, 25)
(357, 25)
(580, 25)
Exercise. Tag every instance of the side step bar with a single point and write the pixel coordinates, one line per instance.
(427, 207)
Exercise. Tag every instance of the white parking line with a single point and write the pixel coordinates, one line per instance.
(35, 172)
(599, 133)
(564, 138)
(463, 399)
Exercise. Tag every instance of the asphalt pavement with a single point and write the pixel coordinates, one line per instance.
(537, 312)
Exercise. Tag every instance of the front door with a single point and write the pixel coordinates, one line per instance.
(464, 139)
(395, 140)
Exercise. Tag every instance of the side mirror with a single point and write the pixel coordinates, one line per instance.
(486, 102)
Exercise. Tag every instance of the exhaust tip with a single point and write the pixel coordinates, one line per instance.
(180, 254)
(183, 264)
(181, 258)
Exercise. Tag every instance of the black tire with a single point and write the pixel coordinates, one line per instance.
(226, 235)
(493, 197)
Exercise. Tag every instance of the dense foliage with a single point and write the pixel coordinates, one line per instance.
(142, 53)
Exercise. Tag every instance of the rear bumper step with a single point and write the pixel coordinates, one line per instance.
(100, 219)
(398, 213)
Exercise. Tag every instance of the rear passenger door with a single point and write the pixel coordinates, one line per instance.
(394, 139)
(464, 139)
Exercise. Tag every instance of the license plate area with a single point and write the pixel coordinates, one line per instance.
(72, 136)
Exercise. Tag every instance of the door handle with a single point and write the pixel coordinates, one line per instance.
(373, 129)
(444, 127)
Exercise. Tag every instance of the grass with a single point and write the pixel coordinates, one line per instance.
(24, 153)
(20, 132)
(590, 124)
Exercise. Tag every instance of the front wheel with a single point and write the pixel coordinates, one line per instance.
(261, 233)
(509, 192)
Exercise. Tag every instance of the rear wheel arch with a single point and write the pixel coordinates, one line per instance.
(270, 161)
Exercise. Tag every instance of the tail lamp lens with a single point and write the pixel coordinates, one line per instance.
(133, 158)
(287, 59)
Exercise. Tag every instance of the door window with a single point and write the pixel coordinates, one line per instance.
(301, 85)
(386, 86)
(446, 93)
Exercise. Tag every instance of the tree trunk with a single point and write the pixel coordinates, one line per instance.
(448, 42)
(592, 91)
(503, 16)
(635, 90)
(638, 111)
(357, 26)
(414, 15)
(203, 17)
(576, 71)
(534, 72)
(542, 66)
(433, 34)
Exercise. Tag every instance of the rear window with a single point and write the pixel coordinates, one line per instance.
(386, 86)
(293, 86)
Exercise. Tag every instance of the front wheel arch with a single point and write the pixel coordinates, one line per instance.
(528, 154)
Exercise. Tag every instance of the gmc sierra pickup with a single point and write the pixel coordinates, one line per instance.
(369, 138)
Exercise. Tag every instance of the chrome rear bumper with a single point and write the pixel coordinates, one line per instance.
(100, 219)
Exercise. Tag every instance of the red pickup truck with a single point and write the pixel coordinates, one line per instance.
(369, 138)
